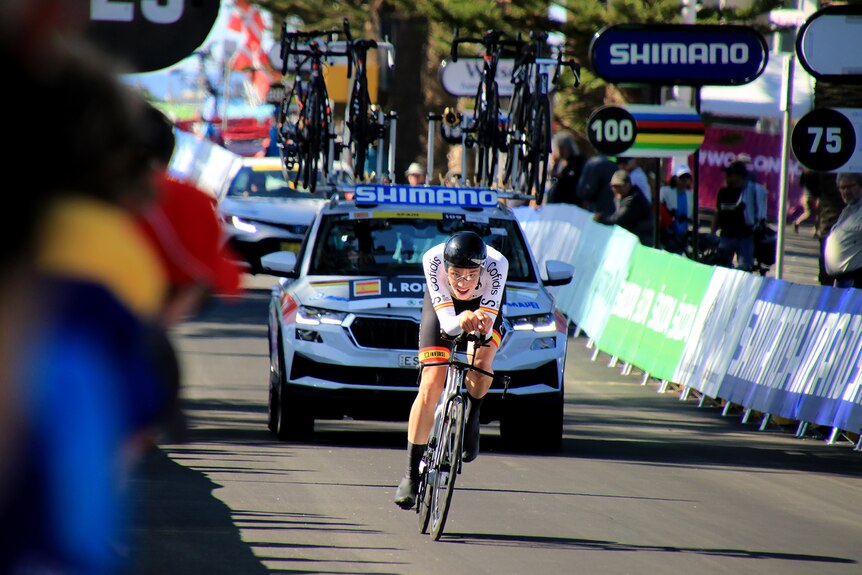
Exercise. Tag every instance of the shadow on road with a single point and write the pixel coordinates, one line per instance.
(544, 542)
(181, 527)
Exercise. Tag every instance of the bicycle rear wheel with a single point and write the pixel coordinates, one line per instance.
(447, 465)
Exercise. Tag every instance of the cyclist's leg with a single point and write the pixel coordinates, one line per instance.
(477, 387)
(431, 350)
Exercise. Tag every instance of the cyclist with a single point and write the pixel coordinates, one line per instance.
(465, 284)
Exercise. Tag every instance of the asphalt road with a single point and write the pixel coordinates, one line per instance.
(645, 483)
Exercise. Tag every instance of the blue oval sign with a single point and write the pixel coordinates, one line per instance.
(679, 54)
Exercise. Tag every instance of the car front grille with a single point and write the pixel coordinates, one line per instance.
(385, 333)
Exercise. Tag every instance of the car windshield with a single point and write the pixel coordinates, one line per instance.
(393, 246)
(260, 182)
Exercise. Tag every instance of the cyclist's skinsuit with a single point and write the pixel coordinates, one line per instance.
(440, 310)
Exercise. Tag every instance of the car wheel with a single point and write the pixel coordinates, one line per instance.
(274, 382)
(537, 428)
(294, 422)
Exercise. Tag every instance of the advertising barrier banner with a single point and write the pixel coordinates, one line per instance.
(655, 311)
(617, 246)
(723, 313)
(800, 355)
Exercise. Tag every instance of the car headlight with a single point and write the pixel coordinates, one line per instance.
(538, 323)
(316, 316)
(242, 225)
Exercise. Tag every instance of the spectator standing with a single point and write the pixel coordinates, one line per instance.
(633, 212)
(734, 219)
(638, 175)
(810, 200)
(843, 247)
(831, 203)
(415, 174)
(565, 170)
(757, 209)
(678, 199)
(594, 185)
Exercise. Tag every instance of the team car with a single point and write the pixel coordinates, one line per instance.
(261, 212)
(344, 316)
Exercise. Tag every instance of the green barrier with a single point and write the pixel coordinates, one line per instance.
(655, 310)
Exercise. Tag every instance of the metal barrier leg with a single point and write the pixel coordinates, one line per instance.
(726, 409)
(764, 422)
(663, 387)
(577, 333)
(858, 444)
(613, 361)
(683, 395)
(833, 437)
(645, 378)
(590, 343)
(702, 400)
(803, 427)
(746, 414)
(595, 354)
(627, 369)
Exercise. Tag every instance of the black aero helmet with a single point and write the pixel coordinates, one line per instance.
(465, 250)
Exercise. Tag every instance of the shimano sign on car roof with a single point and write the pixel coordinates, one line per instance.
(426, 196)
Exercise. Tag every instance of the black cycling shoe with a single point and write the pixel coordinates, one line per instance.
(471, 440)
(405, 495)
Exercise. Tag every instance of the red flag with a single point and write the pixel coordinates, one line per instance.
(248, 20)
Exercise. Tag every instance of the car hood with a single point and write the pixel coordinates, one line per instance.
(286, 211)
(398, 296)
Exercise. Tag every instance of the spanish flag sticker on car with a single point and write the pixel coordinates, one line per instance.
(366, 288)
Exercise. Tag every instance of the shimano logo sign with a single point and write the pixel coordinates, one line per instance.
(426, 196)
(677, 53)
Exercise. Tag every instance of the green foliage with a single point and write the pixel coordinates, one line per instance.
(584, 18)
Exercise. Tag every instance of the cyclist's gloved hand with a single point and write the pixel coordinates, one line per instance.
(473, 321)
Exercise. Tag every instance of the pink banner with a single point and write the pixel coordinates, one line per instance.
(720, 148)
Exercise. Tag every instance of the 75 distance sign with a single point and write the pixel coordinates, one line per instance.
(824, 140)
(612, 130)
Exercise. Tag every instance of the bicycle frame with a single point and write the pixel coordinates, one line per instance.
(442, 463)
(307, 141)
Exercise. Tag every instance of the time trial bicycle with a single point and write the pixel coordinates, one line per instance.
(442, 461)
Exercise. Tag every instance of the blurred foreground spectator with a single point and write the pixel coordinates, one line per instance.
(88, 368)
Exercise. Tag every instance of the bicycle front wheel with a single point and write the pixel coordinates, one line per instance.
(424, 494)
(447, 465)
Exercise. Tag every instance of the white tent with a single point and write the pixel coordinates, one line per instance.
(762, 97)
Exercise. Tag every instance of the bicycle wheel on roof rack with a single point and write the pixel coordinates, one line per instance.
(487, 134)
(515, 129)
(539, 149)
(313, 129)
(360, 128)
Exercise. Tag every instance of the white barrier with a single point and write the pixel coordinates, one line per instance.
(773, 346)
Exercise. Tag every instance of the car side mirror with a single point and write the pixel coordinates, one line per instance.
(559, 273)
(282, 264)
